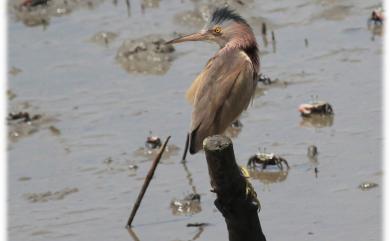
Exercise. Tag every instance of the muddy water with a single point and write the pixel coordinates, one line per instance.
(100, 115)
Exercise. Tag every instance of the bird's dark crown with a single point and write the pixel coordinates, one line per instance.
(221, 15)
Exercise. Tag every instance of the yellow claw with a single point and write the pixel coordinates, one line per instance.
(250, 191)
(245, 172)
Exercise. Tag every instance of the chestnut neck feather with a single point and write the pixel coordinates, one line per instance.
(237, 34)
(247, 43)
(253, 53)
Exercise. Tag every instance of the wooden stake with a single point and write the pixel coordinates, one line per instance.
(146, 183)
(231, 187)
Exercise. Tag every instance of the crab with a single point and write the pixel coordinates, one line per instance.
(264, 79)
(152, 142)
(24, 116)
(318, 107)
(377, 16)
(267, 159)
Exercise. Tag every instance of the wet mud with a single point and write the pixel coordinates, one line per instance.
(367, 186)
(14, 71)
(50, 196)
(23, 124)
(87, 81)
(148, 55)
(104, 38)
(41, 14)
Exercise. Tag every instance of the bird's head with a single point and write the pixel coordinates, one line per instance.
(224, 27)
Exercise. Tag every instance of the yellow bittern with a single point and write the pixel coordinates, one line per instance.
(227, 84)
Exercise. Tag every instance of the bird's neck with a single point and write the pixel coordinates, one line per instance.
(246, 44)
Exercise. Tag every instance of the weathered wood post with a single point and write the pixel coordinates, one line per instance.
(238, 208)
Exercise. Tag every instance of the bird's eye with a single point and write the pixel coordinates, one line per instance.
(217, 29)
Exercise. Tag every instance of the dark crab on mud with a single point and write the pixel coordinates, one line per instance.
(264, 159)
(377, 16)
(152, 142)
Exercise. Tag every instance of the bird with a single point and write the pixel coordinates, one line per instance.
(226, 85)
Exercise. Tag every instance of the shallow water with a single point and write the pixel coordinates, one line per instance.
(102, 111)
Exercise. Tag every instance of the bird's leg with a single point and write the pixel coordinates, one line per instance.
(279, 164)
(183, 159)
(252, 162)
(285, 162)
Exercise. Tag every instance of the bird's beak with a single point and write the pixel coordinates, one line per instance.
(191, 37)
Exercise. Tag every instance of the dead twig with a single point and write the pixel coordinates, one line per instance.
(146, 183)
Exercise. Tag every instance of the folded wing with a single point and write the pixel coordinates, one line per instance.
(219, 95)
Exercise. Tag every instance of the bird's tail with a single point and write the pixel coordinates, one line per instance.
(196, 141)
(186, 148)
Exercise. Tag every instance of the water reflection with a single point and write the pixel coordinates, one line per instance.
(197, 235)
(133, 235)
(234, 129)
(268, 177)
(317, 121)
(191, 203)
(312, 155)
(376, 30)
(128, 7)
(189, 177)
(150, 4)
(375, 23)
(260, 91)
(265, 40)
(273, 42)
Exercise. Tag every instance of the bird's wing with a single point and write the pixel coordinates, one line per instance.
(221, 92)
(191, 92)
